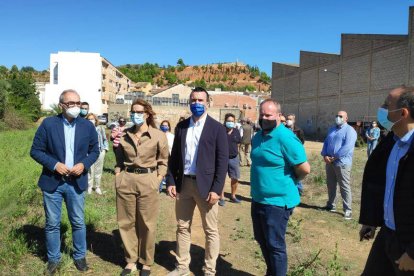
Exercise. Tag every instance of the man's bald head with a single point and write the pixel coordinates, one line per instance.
(343, 114)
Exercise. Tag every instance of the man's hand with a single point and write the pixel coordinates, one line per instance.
(405, 263)
(367, 232)
(77, 169)
(212, 198)
(328, 159)
(62, 169)
(171, 191)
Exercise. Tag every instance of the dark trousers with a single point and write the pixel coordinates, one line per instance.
(269, 227)
(385, 250)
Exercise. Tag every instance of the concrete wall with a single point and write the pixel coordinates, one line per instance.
(356, 81)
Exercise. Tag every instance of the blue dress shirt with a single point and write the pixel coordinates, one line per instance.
(69, 129)
(340, 143)
(398, 151)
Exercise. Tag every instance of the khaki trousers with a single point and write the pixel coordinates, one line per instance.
(184, 210)
(95, 171)
(137, 206)
(244, 154)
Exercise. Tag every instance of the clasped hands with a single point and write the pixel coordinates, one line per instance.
(328, 159)
(76, 170)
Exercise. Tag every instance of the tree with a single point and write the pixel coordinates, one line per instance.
(171, 78)
(264, 78)
(19, 102)
(27, 69)
(180, 62)
(4, 90)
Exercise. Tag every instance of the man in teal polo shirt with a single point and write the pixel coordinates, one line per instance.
(278, 163)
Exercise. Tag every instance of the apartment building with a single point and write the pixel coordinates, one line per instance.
(97, 81)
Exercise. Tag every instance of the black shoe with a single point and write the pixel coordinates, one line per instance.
(145, 272)
(81, 265)
(52, 268)
(128, 271)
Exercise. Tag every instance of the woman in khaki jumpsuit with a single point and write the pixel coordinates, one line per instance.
(141, 164)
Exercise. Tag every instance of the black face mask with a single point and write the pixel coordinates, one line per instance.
(267, 125)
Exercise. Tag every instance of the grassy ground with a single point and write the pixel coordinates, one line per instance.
(319, 243)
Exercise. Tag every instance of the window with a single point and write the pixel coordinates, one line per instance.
(55, 73)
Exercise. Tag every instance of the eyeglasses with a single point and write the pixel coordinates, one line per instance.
(72, 104)
(137, 112)
(122, 121)
(338, 116)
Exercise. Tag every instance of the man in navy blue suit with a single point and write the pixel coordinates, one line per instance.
(197, 171)
(66, 146)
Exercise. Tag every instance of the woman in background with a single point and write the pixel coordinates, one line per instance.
(95, 172)
(372, 134)
(166, 128)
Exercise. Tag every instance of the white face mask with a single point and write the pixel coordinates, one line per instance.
(289, 123)
(339, 121)
(92, 121)
(73, 112)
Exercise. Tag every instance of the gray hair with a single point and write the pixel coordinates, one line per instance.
(62, 95)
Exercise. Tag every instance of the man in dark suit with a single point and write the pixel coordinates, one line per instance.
(66, 146)
(387, 198)
(197, 171)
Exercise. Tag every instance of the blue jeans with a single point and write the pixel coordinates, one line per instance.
(299, 185)
(269, 227)
(371, 145)
(75, 201)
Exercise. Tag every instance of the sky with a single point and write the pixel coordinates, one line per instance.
(256, 32)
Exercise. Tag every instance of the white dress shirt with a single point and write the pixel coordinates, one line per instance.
(170, 139)
(191, 145)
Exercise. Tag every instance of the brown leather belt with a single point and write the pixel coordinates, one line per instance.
(139, 170)
(190, 176)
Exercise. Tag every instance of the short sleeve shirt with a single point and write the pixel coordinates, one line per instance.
(272, 175)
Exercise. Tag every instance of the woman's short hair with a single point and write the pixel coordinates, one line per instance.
(168, 123)
(228, 115)
(94, 117)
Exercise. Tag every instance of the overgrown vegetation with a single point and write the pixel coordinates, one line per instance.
(19, 102)
(221, 75)
(312, 265)
(141, 72)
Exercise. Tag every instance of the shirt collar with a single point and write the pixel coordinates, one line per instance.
(274, 131)
(406, 139)
(201, 121)
(341, 126)
(151, 131)
(66, 122)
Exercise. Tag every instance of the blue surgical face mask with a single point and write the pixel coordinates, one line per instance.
(230, 124)
(83, 112)
(197, 109)
(382, 117)
(137, 119)
(164, 128)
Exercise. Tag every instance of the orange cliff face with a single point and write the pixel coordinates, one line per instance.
(230, 75)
